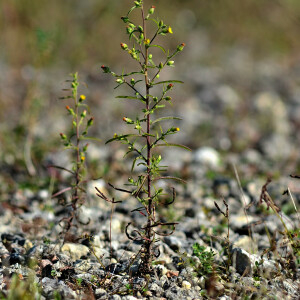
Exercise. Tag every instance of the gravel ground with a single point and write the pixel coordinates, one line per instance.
(245, 256)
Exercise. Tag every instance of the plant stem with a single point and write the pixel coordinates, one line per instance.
(150, 210)
(77, 178)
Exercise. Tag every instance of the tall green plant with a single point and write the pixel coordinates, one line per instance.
(148, 134)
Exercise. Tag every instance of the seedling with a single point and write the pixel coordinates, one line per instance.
(79, 281)
(206, 259)
(147, 134)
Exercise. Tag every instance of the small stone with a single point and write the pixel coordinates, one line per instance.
(50, 285)
(114, 268)
(160, 270)
(246, 243)
(155, 289)
(115, 297)
(76, 251)
(179, 280)
(173, 242)
(170, 273)
(134, 269)
(148, 294)
(129, 298)
(225, 297)
(101, 293)
(241, 261)
(186, 285)
(239, 223)
(208, 157)
(43, 194)
(16, 258)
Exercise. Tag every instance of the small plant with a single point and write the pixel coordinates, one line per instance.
(79, 281)
(207, 263)
(76, 141)
(149, 134)
(53, 273)
(46, 241)
(129, 288)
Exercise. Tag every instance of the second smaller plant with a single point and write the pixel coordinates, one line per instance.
(76, 141)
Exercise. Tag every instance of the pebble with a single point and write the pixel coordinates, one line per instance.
(241, 261)
(76, 251)
(173, 242)
(207, 156)
(262, 133)
(186, 285)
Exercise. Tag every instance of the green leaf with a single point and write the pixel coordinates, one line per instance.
(168, 81)
(120, 137)
(131, 9)
(158, 46)
(129, 97)
(132, 73)
(61, 168)
(155, 21)
(165, 118)
(132, 35)
(173, 145)
(91, 139)
(171, 178)
(134, 162)
(148, 134)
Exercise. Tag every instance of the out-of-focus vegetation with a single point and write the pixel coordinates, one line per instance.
(42, 41)
(74, 32)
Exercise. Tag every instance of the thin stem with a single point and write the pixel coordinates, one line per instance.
(111, 215)
(75, 198)
(131, 86)
(156, 103)
(149, 231)
(155, 35)
(164, 64)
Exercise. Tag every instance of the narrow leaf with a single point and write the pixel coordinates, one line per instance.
(61, 168)
(168, 81)
(61, 192)
(120, 137)
(160, 47)
(173, 145)
(155, 21)
(134, 162)
(165, 118)
(129, 97)
(91, 139)
(148, 134)
(131, 73)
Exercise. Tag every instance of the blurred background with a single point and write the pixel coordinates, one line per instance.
(241, 68)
